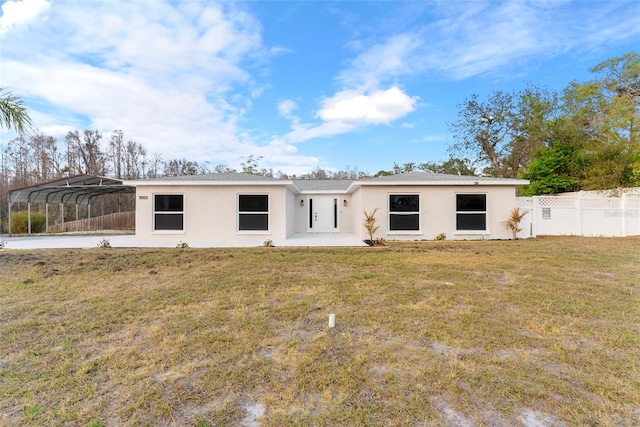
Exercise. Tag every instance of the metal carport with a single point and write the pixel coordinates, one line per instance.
(76, 189)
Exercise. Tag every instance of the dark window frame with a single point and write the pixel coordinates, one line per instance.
(253, 221)
(404, 218)
(168, 214)
(471, 215)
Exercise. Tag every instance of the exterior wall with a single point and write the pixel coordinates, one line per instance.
(437, 211)
(346, 213)
(211, 213)
(290, 213)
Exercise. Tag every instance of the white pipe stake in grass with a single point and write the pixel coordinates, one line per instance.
(332, 320)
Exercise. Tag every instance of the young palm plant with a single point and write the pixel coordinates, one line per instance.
(370, 224)
(513, 223)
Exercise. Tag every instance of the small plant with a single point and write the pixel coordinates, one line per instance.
(370, 225)
(380, 242)
(104, 243)
(513, 223)
(268, 243)
(3, 244)
(182, 245)
(441, 236)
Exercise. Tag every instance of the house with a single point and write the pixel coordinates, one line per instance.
(242, 208)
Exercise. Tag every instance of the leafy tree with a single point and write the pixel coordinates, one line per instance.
(452, 166)
(552, 171)
(606, 111)
(13, 113)
(251, 164)
(504, 131)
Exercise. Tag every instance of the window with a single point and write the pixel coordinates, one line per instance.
(253, 212)
(471, 212)
(404, 212)
(168, 212)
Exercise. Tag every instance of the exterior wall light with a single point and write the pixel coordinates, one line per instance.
(344, 202)
(301, 202)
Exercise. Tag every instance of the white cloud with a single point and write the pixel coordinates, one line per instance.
(18, 13)
(286, 107)
(350, 109)
(382, 62)
(175, 77)
(378, 107)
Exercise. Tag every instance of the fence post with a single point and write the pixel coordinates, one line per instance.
(579, 213)
(623, 208)
(534, 215)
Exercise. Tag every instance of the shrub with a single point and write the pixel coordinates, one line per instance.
(268, 243)
(182, 245)
(104, 243)
(441, 236)
(20, 222)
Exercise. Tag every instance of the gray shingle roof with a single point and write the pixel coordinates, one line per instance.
(429, 177)
(218, 177)
(336, 185)
(322, 184)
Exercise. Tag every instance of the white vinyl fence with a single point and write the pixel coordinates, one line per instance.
(580, 214)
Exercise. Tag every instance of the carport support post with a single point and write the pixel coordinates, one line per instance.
(76, 217)
(29, 217)
(62, 217)
(89, 213)
(9, 212)
(46, 217)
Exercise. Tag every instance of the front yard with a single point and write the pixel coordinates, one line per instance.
(535, 332)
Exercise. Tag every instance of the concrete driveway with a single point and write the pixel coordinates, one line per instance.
(129, 241)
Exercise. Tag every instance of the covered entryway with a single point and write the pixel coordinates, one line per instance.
(323, 214)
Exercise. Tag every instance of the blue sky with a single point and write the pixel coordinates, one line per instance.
(330, 84)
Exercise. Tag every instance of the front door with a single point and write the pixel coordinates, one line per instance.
(322, 214)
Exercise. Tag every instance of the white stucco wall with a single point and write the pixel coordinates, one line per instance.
(211, 213)
(437, 211)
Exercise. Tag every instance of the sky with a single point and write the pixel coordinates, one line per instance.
(304, 84)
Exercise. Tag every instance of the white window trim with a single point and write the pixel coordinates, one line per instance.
(268, 213)
(472, 232)
(154, 213)
(391, 232)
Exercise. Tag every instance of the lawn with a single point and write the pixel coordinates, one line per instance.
(534, 332)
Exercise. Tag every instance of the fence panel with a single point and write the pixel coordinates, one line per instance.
(525, 204)
(115, 221)
(555, 216)
(575, 214)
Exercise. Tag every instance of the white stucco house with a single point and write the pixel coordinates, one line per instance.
(245, 209)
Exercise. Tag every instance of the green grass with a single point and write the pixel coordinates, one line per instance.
(427, 333)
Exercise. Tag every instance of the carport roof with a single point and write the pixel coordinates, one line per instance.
(76, 189)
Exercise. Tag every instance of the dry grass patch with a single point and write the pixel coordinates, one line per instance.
(534, 332)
